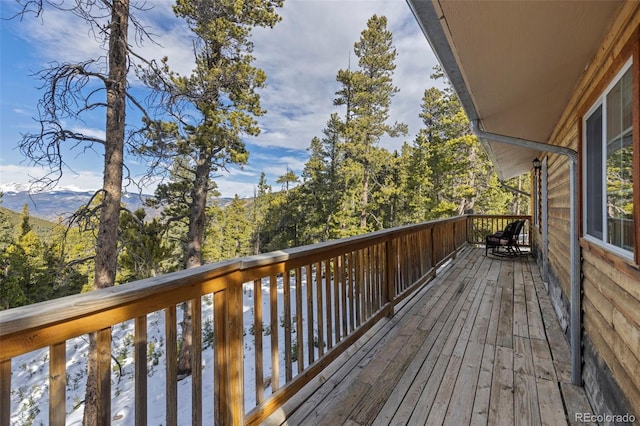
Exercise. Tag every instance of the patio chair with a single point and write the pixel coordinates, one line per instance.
(507, 239)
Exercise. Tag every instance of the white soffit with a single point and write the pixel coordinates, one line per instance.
(518, 62)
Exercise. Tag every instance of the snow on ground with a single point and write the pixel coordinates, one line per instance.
(30, 372)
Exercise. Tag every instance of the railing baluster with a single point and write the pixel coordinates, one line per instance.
(257, 338)
(310, 314)
(57, 383)
(196, 361)
(390, 274)
(320, 300)
(358, 284)
(140, 339)
(373, 278)
(299, 323)
(171, 365)
(220, 365)
(338, 296)
(347, 294)
(273, 311)
(288, 369)
(367, 282)
(330, 301)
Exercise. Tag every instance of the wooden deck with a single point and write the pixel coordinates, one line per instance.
(480, 345)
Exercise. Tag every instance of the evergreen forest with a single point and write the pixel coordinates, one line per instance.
(350, 184)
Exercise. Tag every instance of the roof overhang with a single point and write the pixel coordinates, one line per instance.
(514, 64)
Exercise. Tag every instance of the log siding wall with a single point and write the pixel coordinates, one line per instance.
(611, 285)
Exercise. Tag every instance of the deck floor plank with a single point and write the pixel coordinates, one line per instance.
(479, 345)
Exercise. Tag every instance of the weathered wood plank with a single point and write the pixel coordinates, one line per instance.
(526, 408)
(494, 319)
(504, 336)
(520, 323)
(442, 301)
(501, 402)
(550, 402)
(451, 330)
(481, 326)
(463, 395)
(522, 358)
(454, 372)
(542, 361)
(480, 411)
(575, 401)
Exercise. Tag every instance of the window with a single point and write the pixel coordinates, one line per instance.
(608, 167)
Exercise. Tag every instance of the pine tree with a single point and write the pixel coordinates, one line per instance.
(258, 212)
(287, 179)
(236, 230)
(366, 93)
(221, 101)
(457, 174)
(144, 247)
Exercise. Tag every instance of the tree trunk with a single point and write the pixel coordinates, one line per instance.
(364, 200)
(107, 241)
(193, 258)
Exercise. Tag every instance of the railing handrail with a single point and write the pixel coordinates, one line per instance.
(68, 308)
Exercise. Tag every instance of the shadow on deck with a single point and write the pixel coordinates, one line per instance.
(480, 345)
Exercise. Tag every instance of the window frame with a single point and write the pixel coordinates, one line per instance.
(601, 103)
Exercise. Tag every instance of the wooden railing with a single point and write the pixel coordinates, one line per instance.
(480, 226)
(316, 301)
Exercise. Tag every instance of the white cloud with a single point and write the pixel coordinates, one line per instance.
(93, 133)
(229, 188)
(301, 57)
(26, 176)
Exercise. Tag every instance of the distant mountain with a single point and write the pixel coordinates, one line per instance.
(50, 205)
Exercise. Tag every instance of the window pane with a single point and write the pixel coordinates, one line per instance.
(620, 192)
(594, 174)
(620, 165)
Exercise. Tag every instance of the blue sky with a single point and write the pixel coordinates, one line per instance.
(301, 57)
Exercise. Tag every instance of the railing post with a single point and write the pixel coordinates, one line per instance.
(235, 351)
(228, 374)
(390, 274)
(57, 383)
(5, 391)
(103, 344)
